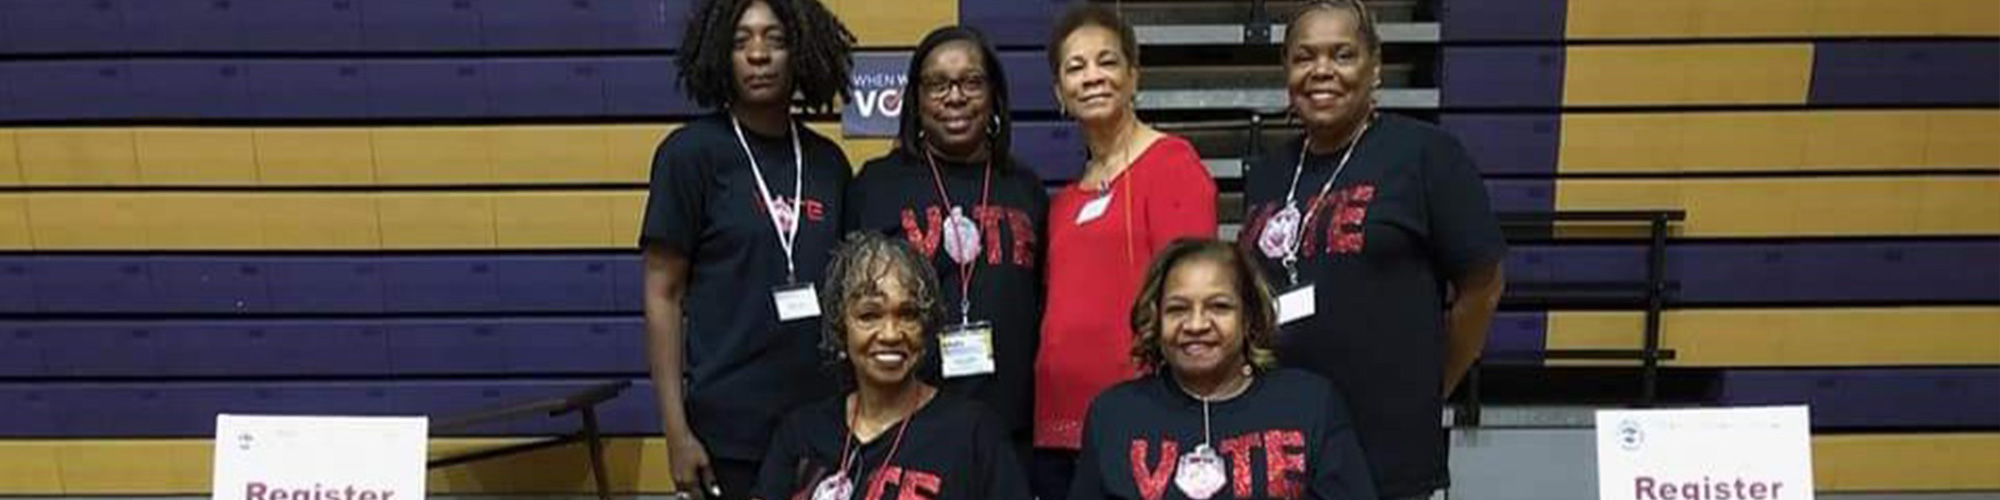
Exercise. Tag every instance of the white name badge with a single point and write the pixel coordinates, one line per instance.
(796, 302)
(1094, 208)
(967, 349)
(1705, 454)
(319, 458)
(1297, 304)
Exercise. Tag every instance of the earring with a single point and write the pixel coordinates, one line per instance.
(993, 127)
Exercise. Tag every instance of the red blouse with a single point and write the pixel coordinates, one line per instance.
(1094, 271)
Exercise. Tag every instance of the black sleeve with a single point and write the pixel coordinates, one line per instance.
(855, 202)
(1339, 470)
(1087, 482)
(777, 476)
(1463, 231)
(677, 196)
(1000, 471)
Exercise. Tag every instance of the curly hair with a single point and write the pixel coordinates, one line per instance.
(862, 259)
(1001, 137)
(817, 42)
(1260, 323)
(1362, 16)
(1083, 14)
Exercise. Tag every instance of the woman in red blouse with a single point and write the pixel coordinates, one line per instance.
(1141, 190)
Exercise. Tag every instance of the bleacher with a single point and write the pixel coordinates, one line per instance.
(430, 206)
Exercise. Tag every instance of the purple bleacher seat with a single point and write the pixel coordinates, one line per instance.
(210, 284)
(1502, 20)
(439, 284)
(90, 284)
(541, 24)
(1509, 144)
(628, 283)
(1875, 397)
(571, 345)
(1521, 195)
(325, 285)
(29, 412)
(184, 25)
(6, 93)
(644, 24)
(38, 26)
(1030, 82)
(17, 286)
(643, 86)
(1732, 273)
(1518, 337)
(1487, 77)
(544, 87)
(435, 88)
(68, 90)
(445, 347)
(554, 283)
(108, 348)
(21, 350)
(1930, 72)
(1054, 150)
(302, 25)
(190, 89)
(308, 89)
(420, 25)
(1013, 23)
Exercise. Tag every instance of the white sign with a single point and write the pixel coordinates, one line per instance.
(319, 458)
(1705, 454)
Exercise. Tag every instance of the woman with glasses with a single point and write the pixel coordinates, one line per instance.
(952, 190)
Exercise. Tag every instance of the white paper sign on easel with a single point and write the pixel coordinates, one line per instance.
(319, 458)
(1705, 454)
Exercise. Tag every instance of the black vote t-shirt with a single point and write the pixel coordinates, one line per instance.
(1286, 437)
(953, 450)
(1407, 214)
(743, 368)
(898, 195)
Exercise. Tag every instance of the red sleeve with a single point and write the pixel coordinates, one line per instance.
(1181, 200)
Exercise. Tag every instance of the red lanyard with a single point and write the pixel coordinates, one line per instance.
(854, 415)
(966, 268)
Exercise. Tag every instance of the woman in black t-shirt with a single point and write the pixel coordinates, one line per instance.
(952, 190)
(1364, 221)
(894, 437)
(1212, 416)
(744, 205)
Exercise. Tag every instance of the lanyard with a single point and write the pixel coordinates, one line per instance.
(788, 230)
(965, 269)
(1292, 252)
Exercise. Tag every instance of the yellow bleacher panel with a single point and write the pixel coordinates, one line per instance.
(64, 157)
(876, 23)
(436, 220)
(86, 221)
(859, 150)
(1801, 206)
(1907, 463)
(540, 155)
(1687, 74)
(1908, 17)
(1760, 18)
(433, 156)
(192, 221)
(1841, 463)
(1963, 138)
(553, 220)
(1778, 141)
(627, 215)
(14, 233)
(1588, 19)
(329, 221)
(10, 164)
(315, 156)
(191, 156)
(631, 149)
(1793, 337)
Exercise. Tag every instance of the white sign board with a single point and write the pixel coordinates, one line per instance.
(319, 458)
(1705, 454)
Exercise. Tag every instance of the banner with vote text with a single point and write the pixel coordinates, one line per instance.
(876, 101)
(319, 458)
(1760, 453)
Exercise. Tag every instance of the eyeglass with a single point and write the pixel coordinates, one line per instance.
(939, 87)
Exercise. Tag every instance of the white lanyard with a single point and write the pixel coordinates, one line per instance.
(1291, 195)
(787, 233)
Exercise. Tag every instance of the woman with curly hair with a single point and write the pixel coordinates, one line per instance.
(892, 435)
(744, 206)
(1213, 413)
